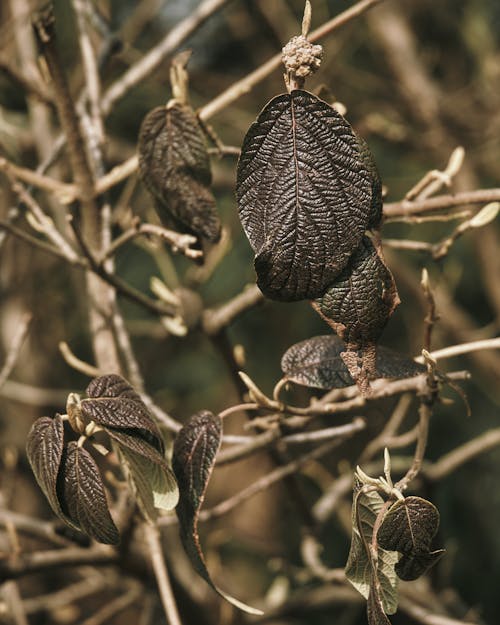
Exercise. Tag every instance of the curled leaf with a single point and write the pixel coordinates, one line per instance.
(357, 306)
(195, 450)
(44, 449)
(174, 166)
(113, 403)
(304, 195)
(409, 527)
(317, 362)
(359, 569)
(82, 496)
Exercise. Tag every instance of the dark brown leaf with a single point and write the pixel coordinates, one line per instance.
(357, 306)
(44, 449)
(195, 449)
(82, 496)
(174, 166)
(316, 362)
(304, 195)
(114, 403)
(409, 527)
(371, 166)
(130, 440)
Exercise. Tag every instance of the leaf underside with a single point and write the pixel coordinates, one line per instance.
(195, 450)
(409, 527)
(153, 484)
(44, 449)
(304, 194)
(113, 403)
(358, 305)
(174, 166)
(359, 567)
(317, 363)
(82, 496)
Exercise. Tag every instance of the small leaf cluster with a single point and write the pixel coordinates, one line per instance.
(308, 190)
(68, 474)
(391, 540)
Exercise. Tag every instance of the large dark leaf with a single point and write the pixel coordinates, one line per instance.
(44, 449)
(358, 305)
(409, 527)
(82, 496)
(195, 449)
(114, 403)
(174, 165)
(316, 362)
(304, 195)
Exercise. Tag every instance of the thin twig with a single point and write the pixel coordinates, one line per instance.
(75, 363)
(115, 606)
(215, 319)
(405, 207)
(161, 573)
(149, 62)
(15, 346)
(463, 348)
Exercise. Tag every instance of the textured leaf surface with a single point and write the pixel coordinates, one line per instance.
(359, 568)
(304, 195)
(174, 165)
(316, 362)
(357, 306)
(375, 608)
(376, 182)
(44, 449)
(195, 450)
(114, 403)
(409, 527)
(82, 495)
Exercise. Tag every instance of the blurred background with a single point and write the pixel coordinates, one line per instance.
(418, 79)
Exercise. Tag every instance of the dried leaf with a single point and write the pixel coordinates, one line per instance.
(44, 449)
(174, 166)
(359, 568)
(195, 449)
(304, 195)
(409, 527)
(114, 403)
(357, 306)
(154, 484)
(316, 362)
(82, 496)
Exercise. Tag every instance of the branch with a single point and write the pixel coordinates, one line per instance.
(405, 207)
(239, 88)
(161, 574)
(149, 62)
(15, 346)
(19, 565)
(216, 319)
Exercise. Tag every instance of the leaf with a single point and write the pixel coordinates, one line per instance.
(316, 362)
(359, 568)
(409, 527)
(130, 440)
(82, 496)
(371, 166)
(174, 166)
(304, 195)
(374, 606)
(195, 449)
(114, 403)
(44, 449)
(357, 306)
(153, 484)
